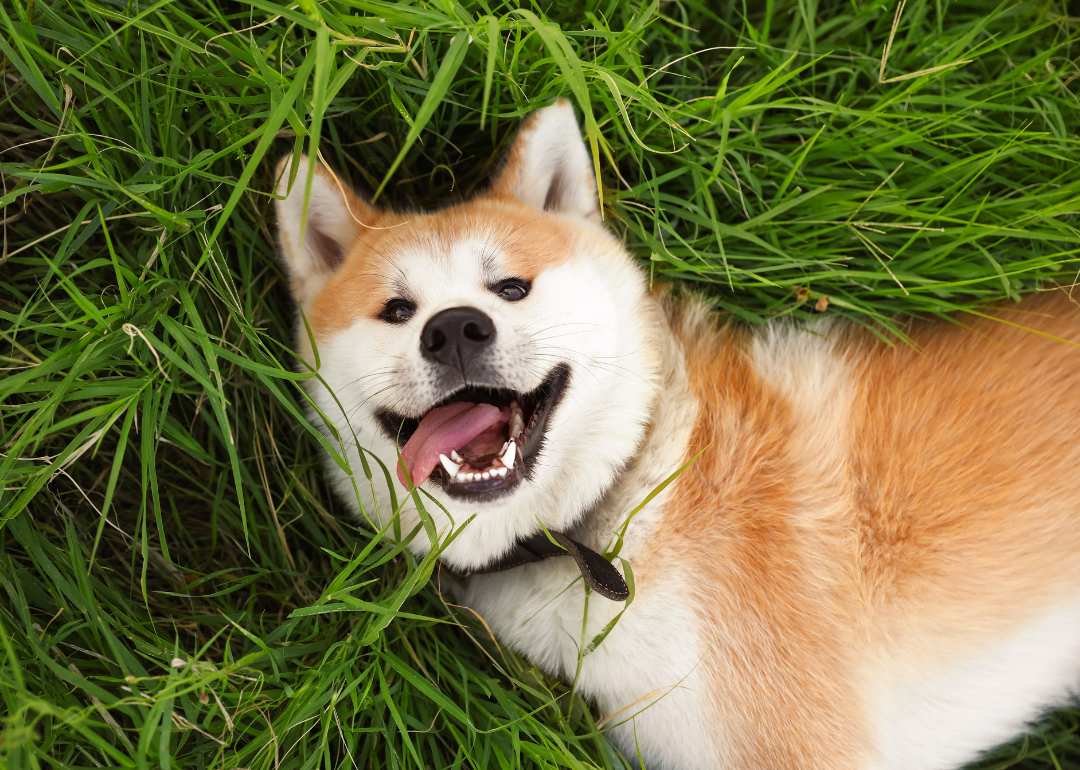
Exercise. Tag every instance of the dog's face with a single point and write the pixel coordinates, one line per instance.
(504, 346)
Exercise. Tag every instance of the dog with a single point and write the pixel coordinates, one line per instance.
(869, 559)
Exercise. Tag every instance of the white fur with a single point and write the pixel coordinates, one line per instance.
(327, 212)
(941, 711)
(580, 313)
(644, 675)
(805, 366)
(556, 172)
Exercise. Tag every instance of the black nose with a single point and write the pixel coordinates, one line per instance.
(456, 337)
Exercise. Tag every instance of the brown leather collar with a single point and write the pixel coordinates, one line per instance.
(598, 573)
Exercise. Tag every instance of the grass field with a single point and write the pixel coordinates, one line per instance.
(178, 589)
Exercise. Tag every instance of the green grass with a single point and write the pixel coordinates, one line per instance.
(178, 589)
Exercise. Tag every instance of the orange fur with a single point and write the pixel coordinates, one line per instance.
(530, 240)
(954, 514)
(361, 286)
(962, 472)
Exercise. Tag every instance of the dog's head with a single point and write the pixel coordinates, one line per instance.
(504, 345)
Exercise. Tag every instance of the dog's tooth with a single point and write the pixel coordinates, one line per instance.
(455, 456)
(451, 467)
(509, 453)
(485, 475)
(517, 419)
(501, 471)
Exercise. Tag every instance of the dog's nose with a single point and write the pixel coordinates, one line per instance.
(455, 337)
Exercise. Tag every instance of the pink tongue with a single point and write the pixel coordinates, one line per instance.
(432, 420)
(443, 430)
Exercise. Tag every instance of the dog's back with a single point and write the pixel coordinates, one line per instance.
(885, 539)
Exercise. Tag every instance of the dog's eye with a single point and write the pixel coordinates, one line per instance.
(398, 311)
(512, 289)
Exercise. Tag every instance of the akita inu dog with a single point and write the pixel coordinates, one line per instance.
(875, 563)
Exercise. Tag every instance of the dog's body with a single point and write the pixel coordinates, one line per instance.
(873, 564)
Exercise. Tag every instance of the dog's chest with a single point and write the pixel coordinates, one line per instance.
(643, 675)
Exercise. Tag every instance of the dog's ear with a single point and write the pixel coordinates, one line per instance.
(548, 167)
(329, 230)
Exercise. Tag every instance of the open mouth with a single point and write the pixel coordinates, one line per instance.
(479, 442)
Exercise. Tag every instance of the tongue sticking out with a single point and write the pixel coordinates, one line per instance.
(443, 430)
